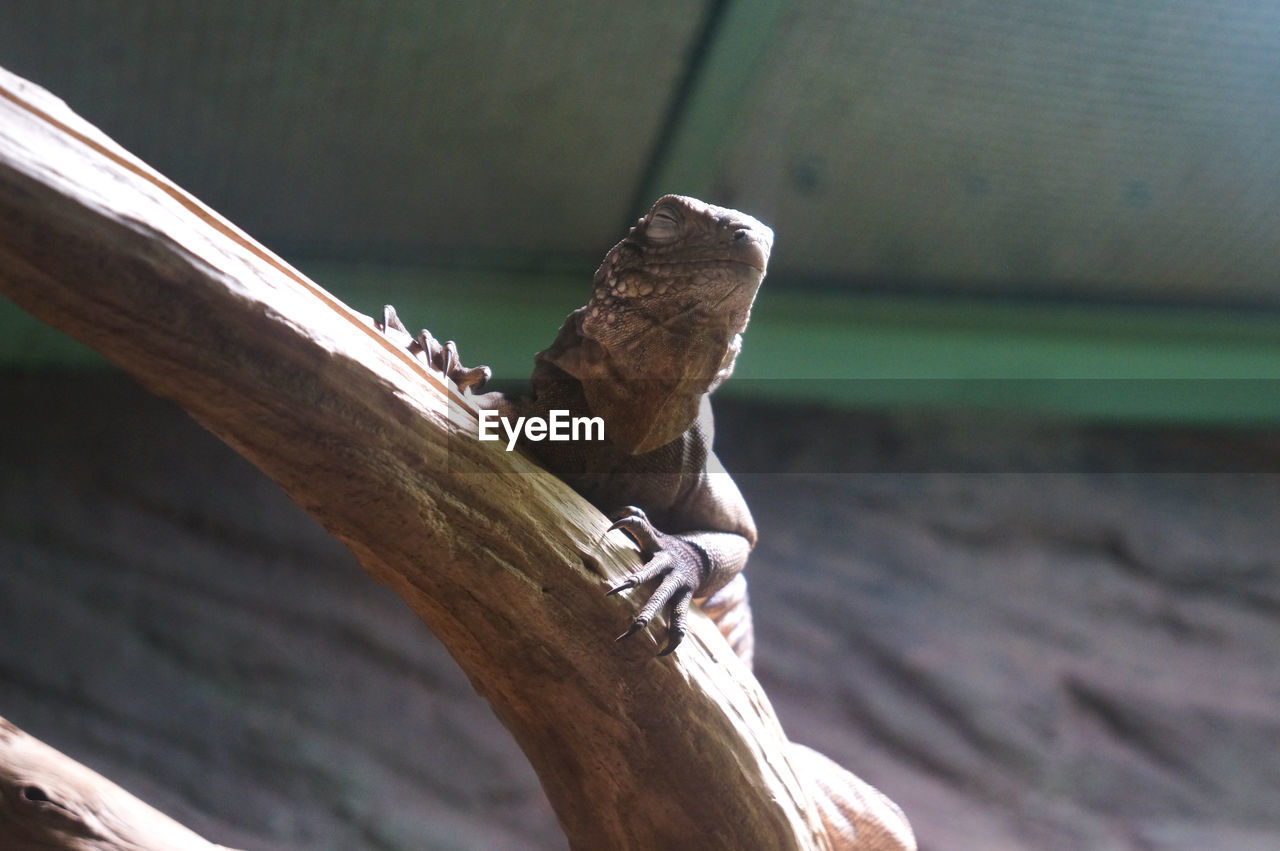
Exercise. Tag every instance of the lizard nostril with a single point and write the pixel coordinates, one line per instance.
(741, 234)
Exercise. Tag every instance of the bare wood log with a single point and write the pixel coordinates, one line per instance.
(502, 561)
(48, 800)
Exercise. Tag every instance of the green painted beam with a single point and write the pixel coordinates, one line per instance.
(1099, 362)
(1089, 361)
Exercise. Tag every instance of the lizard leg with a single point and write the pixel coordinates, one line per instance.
(682, 565)
(730, 610)
(442, 357)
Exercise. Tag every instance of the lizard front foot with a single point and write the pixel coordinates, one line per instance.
(442, 357)
(682, 565)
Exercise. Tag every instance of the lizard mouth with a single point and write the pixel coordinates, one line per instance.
(751, 248)
(758, 261)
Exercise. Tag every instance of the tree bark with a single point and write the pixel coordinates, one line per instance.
(501, 560)
(48, 800)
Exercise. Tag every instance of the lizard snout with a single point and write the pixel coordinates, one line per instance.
(751, 245)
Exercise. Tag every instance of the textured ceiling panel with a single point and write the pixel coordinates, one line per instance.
(1076, 148)
(376, 128)
(1098, 149)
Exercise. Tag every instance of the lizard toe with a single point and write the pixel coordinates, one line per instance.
(637, 527)
(679, 622)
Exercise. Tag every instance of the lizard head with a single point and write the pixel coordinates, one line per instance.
(665, 320)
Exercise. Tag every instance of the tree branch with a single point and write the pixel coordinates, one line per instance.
(504, 563)
(48, 800)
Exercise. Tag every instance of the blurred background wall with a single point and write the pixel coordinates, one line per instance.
(1006, 413)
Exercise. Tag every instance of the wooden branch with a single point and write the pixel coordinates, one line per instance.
(503, 562)
(48, 800)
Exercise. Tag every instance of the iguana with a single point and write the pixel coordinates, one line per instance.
(661, 331)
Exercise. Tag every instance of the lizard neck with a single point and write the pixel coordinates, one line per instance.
(649, 391)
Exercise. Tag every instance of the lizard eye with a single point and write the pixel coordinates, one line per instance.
(663, 225)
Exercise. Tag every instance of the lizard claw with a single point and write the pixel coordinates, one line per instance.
(635, 523)
(635, 627)
(627, 512)
(445, 358)
(681, 565)
(391, 319)
(625, 585)
(441, 357)
(675, 632)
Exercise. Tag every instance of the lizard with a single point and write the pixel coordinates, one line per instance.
(661, 331)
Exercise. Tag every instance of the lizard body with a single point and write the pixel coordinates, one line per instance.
(661, 331)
